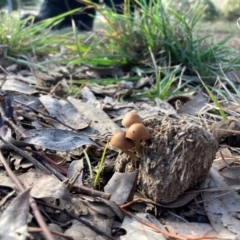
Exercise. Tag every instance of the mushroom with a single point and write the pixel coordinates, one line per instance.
(137, 132)
(131, 118)
(120, 141)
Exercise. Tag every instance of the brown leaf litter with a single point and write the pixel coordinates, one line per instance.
(177, 157)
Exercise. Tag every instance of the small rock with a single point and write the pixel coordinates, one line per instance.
(177, 157)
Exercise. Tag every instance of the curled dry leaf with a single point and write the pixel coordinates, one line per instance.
(227, 132)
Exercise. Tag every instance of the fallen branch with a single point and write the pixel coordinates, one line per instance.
(60, 234)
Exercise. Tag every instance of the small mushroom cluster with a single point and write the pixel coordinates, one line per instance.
(135, 132)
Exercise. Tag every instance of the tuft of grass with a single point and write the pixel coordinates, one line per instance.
(155, 41)
(35, 40)
(159, 31)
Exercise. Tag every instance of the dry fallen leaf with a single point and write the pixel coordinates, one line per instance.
(57, 139)
(18, 86)
(101, 122)
(138, 231)
(195, 104)
(231, 175)
(222, 207)
(41, 185)
(122, 187)
(13, 221)
(190, 229)
(64, 112)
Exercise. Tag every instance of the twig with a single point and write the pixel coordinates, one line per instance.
(137, 200)
(32, 202)
(36, 229)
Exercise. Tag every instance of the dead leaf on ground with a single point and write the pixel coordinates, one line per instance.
(196, 103)
(100, 121)
(64, 112)
(227, 132)
(224, 158)
(43, 186)
(80, 231)
(222, 207)
(231, 175)
(190, 229)
(75, 166)
(13, 221)
(87, 94)
(136, 230)
(122, 187)
(18, 86)
(182, 200)
(57, 139)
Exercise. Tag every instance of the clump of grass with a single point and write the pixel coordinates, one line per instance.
(34, 40)
(160, 31)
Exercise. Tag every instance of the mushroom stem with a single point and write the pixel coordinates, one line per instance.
(132, 155)
(138, 147)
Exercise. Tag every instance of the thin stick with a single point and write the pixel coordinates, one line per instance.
(32, 202)
(60, 234)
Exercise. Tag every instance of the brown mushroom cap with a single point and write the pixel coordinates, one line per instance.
(131, 118)
(137, 131)
(120, 141)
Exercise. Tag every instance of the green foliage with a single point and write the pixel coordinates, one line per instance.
(35, 40)
(166, 77)
(155, 37)
(100, 166)
(231, 9)
(158, 41)
(215, 101)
